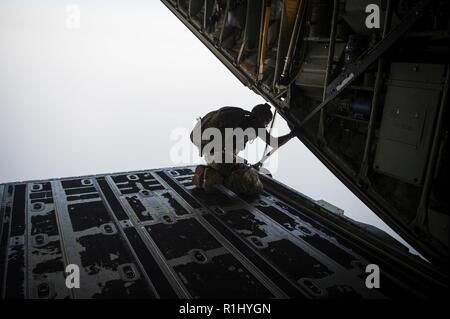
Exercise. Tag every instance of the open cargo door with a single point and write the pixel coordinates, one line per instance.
(368, 98)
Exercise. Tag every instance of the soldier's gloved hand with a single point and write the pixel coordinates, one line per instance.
(257, 166)
(244, 161)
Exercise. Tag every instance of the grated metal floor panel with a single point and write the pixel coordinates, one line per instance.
(152, 234)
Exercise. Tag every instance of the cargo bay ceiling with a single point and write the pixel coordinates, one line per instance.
(370, 103)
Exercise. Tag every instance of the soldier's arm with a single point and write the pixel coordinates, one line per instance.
(275, 141)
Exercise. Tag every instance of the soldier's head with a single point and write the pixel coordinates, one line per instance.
(263, 113)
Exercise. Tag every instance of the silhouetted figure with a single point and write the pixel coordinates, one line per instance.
(220, 135)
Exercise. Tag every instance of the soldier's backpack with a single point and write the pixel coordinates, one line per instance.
(225, 117)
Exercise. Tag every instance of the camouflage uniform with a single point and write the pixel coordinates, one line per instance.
(237, 177)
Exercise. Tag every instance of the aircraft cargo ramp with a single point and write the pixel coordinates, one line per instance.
(152, 234)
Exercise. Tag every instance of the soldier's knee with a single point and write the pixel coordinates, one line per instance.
(197, 179)
(212, 178)
(207, 178)
(245, 181)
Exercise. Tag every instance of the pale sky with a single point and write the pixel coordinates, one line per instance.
(118, 92)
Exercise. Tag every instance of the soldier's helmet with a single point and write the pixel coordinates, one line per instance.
(263, 113)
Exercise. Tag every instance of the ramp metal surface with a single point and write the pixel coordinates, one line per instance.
(152, 234)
